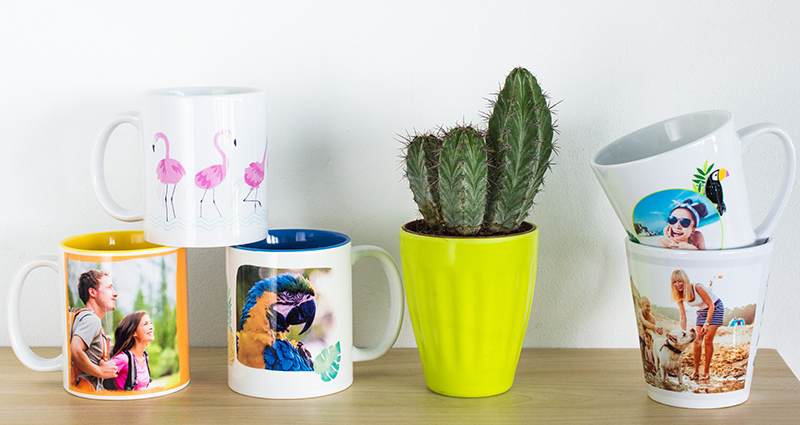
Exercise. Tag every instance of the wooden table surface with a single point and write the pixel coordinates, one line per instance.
(551, 386)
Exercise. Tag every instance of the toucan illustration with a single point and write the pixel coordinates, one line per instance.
(714, 188)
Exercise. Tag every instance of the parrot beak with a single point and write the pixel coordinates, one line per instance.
(303, 313)
(307, 310)
(723, 173)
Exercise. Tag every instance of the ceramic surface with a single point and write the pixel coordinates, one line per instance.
(290, 314)
(469, 300)
(689, 168)
(205, 160)
(125, 267)
(675, 331)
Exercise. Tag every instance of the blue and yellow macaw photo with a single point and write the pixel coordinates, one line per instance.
(271, 307)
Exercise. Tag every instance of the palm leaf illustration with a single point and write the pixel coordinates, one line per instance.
(699, 180)
(326, 364)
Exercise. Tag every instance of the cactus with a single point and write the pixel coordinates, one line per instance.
(467, 182)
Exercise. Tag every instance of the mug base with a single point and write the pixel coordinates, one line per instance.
(202, 241)
(278, 395)
(698, 401)
(130, 395)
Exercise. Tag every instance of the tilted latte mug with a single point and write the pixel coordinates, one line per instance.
(205, 159)
(123, 317)
(290, 313)
(680, 183)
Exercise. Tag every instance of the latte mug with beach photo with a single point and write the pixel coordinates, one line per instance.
(698, 315)
(123, 318)
(205, 160)
(290, 313)
(680, 183)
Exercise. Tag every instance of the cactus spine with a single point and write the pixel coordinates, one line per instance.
(470, 183)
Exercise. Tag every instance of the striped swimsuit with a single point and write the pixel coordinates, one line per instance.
(702, 314)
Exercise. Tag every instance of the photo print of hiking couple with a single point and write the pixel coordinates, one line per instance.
(122, 325)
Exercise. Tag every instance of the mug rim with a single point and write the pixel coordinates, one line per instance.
(762, 247)
(82, 243)
(201, 91)
(616, 144)
(321, 240)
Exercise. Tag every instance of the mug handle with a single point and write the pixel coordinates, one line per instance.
(396, 298)
(746, 135)
(18, 344)
(98, 170)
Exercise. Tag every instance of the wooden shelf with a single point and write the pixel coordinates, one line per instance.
(551, 386)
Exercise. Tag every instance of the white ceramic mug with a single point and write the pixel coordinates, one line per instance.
(205, 158)
(672, 291)
(688, 171)
(290, 314)
(108, 323)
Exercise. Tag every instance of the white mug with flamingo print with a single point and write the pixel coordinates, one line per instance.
(205, 155)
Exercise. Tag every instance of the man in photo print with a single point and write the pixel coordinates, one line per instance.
(90, 350)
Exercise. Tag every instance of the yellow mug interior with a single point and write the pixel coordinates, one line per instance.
(109, 242)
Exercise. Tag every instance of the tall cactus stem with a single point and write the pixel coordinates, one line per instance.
(520, 135)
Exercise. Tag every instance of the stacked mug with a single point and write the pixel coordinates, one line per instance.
(124, 318)
(698, 269)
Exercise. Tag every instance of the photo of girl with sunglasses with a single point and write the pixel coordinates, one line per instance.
(681, 230)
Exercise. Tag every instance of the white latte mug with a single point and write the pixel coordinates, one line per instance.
(290, 313)
(680, 183)
(698, 315)
(205, 160)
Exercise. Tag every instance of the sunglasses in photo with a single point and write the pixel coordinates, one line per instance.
(685, 222)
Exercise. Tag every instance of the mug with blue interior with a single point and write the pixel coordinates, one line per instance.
(290, 313)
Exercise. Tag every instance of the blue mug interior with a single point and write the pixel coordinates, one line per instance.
(297, 240)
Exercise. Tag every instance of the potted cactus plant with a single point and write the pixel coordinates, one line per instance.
(470, 263)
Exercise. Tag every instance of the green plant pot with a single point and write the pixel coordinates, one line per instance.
(469, 299)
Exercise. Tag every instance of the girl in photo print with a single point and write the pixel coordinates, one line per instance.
(708, 319)
(681, 230)
(132, 335)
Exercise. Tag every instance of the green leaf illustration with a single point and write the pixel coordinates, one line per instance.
(326, 364)
(701, 177)
(229, 312)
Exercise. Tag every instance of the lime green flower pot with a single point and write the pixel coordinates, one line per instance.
(469, 299)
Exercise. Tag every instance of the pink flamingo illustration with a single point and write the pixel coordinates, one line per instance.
(211, 176)
(253, 176)
(169, 171)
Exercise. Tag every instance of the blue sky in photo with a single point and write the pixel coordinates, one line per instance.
(653, 210)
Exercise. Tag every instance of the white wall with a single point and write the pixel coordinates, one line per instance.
(345, 78)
